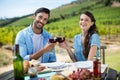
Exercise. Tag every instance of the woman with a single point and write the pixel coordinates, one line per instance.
(87, 44)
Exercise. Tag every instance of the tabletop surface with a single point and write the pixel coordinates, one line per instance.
(109, 74)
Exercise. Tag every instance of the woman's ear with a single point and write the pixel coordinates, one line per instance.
(92, 23)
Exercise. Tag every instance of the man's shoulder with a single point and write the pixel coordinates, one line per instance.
(24, 30)
(46, 33)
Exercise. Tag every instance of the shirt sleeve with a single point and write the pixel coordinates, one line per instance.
(22, 46)
(95, 40)
(52, 56)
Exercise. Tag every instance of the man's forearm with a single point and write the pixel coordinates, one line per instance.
(38, 54)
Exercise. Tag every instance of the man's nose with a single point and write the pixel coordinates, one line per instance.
(42, 20)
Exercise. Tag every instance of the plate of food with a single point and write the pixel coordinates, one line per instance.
(84, 64)
(57, 65)
(34, 67)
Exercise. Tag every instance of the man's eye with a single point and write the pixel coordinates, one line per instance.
(40, 17)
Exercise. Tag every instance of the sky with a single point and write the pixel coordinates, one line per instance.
(18, 8)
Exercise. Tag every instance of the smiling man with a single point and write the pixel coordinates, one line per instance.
(33, 40)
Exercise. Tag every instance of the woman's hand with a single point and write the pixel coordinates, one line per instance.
(64, 45)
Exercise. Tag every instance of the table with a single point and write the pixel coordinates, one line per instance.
(109, 74)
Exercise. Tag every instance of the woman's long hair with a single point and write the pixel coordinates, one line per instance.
(93, 29)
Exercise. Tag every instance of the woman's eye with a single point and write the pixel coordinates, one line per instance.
(81, 19)
(86, 20)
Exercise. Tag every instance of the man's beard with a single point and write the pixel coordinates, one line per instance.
(37, 26)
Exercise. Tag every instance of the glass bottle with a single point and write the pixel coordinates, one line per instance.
(97, 68)
(18, 64)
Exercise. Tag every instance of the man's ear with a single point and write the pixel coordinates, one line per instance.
(33, 16)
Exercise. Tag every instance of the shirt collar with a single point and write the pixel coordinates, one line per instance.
(44, 32)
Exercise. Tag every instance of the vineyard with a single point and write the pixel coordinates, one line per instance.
(66, 18)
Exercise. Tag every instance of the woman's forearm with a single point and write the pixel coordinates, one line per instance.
(71, 55)
(92, 53)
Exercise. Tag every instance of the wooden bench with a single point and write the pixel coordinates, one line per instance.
(102, 53)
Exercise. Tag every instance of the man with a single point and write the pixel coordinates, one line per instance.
(33, 40)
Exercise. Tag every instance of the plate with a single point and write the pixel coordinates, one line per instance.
(55, 65)
(84, 64)
(46, 76)
(103, 67)
(38, 70)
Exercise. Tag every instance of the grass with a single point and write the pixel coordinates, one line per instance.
(112, 59)
(4, 59)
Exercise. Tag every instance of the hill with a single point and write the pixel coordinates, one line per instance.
(66, 18)
(62, 12)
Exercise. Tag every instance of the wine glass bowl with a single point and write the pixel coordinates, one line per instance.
(60, 39)
(57, 37)
(52, 40)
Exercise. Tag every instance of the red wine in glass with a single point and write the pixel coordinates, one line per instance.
(60, 39)
(52, 40)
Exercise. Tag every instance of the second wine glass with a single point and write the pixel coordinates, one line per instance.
(60, 37)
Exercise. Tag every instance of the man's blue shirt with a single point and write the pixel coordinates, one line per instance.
(24, 39)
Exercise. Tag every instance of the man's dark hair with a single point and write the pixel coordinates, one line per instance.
(42, 10)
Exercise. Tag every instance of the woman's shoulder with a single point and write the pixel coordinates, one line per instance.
(77, 36)
(95, 35)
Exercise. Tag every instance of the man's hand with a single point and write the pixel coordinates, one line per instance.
(49, 46)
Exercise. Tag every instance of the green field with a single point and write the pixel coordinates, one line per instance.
(112, 59)
(66, 18)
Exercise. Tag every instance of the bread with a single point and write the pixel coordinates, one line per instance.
(26, 65)
(56, 77)
(34, 63)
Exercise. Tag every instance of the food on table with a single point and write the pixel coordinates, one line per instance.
(81, 74)
(41, 79)
(34, 63)
(26, 65)
(56, 77)
(32, 71)
(33, 67)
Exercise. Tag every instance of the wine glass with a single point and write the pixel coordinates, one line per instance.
(53, 38)
(60, 37)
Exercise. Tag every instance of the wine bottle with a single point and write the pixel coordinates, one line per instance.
(18, 64)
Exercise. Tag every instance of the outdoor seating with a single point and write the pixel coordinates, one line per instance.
(102, 53)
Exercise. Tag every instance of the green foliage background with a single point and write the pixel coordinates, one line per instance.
(66, 18)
